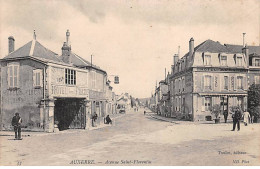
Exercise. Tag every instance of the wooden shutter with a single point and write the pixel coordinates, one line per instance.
(202, 82)
(235, 82)
(34, 78)
(41, 78)
(244, 82)
(212, 82)
(202, 103)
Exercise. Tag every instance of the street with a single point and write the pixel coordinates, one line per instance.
(137, 139)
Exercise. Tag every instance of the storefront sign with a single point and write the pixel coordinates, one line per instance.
(69, 91)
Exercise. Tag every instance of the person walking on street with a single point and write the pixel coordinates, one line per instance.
(17, 122)
(108, 120)
(225, 113)
(94, 118)
(246, 118)
(236, 119)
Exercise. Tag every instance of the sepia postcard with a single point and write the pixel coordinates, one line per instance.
(129, 83)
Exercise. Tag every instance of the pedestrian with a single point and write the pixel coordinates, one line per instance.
(236, 119)
(246, 118)
(17, 122)
(108, 120)
(225, 113)
(94, 118)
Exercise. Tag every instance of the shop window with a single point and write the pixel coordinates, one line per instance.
(13, 75)
(70, 77)
(208, 103)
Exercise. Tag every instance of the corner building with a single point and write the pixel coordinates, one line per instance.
(49, 90)
(208, 74)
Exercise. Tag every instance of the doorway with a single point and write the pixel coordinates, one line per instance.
(70, 113)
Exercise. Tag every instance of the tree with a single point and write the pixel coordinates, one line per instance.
(254, 100)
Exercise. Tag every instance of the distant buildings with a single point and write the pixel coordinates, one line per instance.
(50, 90)
(209, 74)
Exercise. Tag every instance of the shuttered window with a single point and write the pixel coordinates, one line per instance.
(13, 75)
(37, 78)
(257, 62)
(239, 82)
(239, 61)
(226, 82)
(207, 60)
(223, 61)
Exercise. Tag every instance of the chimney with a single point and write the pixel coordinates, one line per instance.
(11, 44)
(175, 58)
(245, 50)
(244, 39)
(66, 49)
(191, 47)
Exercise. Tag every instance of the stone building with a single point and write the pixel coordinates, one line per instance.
(49, 90)
(209, 74)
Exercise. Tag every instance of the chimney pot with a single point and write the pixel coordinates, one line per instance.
(11, 43)
(191, 47)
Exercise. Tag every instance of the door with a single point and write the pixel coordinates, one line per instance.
(224, 103)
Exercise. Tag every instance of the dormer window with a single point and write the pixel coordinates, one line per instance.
(257, 62)
(223, 60)
(239, 61)
(207, 60)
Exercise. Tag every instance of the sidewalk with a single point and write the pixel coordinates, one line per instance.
(35, 133)
(176, 121)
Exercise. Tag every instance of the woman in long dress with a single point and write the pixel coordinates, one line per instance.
(246, 118)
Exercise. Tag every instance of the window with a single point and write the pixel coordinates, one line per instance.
(239, 82)
(226, 82)
(207, 103)
(257, 79)
(207, 82)
(223, 61)
(207, 60)
(37, 78)
(239, 61)
(176, 104)
(70, 77)
(257, 62)
(13, 75)
(179, 85)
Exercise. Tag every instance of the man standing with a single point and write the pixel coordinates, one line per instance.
(236, 117)
(225, 113)
(16, 122)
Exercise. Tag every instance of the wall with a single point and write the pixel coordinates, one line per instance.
(25, 99)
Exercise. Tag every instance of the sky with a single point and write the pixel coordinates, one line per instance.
(134, 39)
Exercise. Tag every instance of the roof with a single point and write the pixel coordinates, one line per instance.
(238, 48)
(210, 46)
(34, 48)
(79, 61)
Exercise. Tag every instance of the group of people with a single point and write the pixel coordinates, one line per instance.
(237, 116)
(107, 120)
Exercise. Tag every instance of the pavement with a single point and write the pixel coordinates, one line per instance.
(138, 139)
(69, 131)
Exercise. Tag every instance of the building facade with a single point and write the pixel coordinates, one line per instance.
(209, 74)
(49, 90)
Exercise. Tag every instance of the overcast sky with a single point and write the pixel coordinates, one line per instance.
(135, 39)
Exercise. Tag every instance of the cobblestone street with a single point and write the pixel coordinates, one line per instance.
(136, 139)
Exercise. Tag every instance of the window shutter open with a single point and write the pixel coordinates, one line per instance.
(34, 78)
(41, 78)
(235, 82)
(8, 76)
(212, 82)
(202, 82)
(202, 103)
